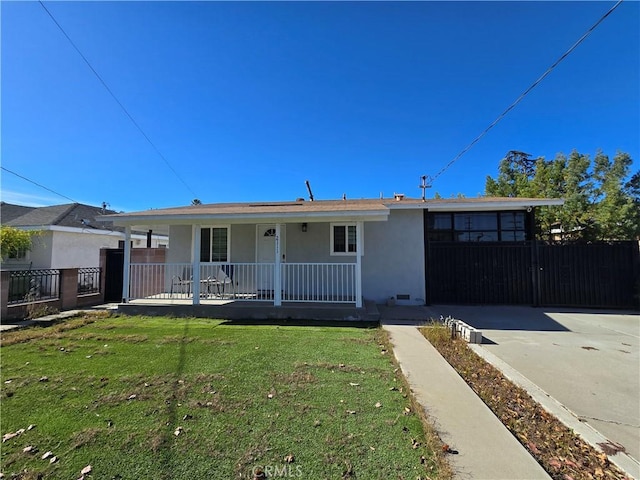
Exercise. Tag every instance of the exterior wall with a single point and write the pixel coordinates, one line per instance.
(180, 244)
(314, 245)
(75, 250)
(243, 243)
(393, 261)
(41, 250)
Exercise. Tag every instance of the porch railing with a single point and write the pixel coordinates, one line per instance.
(300, 282)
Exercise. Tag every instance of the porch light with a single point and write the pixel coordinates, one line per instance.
(304, 227)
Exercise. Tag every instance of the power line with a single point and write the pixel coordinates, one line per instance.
(36, 183)
(526, 92)
(104, 84)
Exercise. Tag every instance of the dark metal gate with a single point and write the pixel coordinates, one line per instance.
(592, 275)
(578, 275)
(114, 269)
(479, 273)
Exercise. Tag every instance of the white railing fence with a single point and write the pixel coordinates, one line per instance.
(319, 282)
(301, 282)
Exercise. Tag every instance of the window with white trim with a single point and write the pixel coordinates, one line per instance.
(343, 239)
(214, 244)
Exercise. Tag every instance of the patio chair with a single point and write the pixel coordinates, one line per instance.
(222, 280)
(178, 283)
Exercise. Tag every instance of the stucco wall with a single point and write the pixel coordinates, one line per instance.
(76, 250)
(243, 243)
(314, 245)
(179, 244)
(393, 261)
(40, 254)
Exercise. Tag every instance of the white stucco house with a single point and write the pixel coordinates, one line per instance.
(69, 235)
(329, 251)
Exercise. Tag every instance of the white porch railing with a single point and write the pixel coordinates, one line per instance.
(300, 282)
(319, 282)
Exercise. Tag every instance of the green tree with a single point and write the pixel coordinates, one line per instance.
(14, 243)
(599, 205)
(617, 213)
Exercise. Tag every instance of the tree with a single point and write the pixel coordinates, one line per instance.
(599, 205)
(14, 243)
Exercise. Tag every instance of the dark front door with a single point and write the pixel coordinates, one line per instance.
(114, 270)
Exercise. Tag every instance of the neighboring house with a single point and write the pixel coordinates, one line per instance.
(69, 236)
(330, 251)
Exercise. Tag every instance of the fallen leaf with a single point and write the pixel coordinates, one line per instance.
(533, 448)
(8, 436)
(555, 463)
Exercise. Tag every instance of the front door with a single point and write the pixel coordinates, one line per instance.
(266, 254)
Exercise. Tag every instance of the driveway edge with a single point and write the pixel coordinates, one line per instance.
(622, 460)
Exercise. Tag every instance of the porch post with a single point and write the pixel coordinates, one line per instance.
(126, 275)
(277, 274)
(359, 233)
(196, 265)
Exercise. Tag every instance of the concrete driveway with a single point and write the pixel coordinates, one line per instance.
(587, 360)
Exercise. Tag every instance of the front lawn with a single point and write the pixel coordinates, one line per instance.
(140, 397)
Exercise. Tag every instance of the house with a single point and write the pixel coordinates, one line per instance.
(343, 252)
(69, 235)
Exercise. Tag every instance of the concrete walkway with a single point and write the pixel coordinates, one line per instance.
(486, 449)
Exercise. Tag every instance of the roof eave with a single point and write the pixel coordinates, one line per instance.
(234, 218)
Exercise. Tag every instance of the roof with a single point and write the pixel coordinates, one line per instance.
(320, 210)
(74, 215)
(9, 211)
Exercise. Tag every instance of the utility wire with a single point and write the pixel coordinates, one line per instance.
(104, 84)
(526, 92)
(36, 183)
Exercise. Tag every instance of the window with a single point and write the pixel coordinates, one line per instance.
(214, 244)
(477, 227)
(343, 239)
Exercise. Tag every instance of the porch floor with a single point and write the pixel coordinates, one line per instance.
(229, 309)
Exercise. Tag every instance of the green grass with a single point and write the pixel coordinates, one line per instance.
(245, 396)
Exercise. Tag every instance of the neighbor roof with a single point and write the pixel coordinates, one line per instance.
(9, 211)
(75, 215)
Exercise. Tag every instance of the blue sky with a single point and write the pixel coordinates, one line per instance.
(248, 100)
